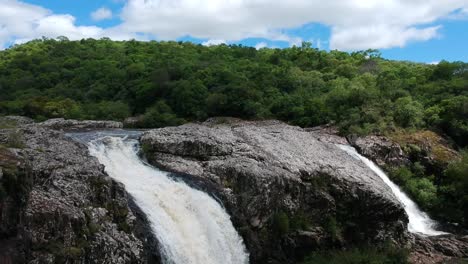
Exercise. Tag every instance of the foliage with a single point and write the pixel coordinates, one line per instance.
(359, 256)
(281, 223)
(160, 115)
(333, 228)
(445, 198)
(454, 191)
(169, 83)
(420, 188)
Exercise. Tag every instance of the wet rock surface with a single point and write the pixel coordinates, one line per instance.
(288, 192)
(58, 206)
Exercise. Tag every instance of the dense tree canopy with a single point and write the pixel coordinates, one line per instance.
(172, 82)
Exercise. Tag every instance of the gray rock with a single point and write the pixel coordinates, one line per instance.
(132, 122)
(328, 134)
(266, 171)
(69, 124)
(381, 150)
(17, 120)
(440, 249)
(65, 208)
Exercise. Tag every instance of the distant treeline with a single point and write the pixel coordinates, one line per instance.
(168, 83)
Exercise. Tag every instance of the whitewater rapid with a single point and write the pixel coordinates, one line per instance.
(419, 222)
(191, 227)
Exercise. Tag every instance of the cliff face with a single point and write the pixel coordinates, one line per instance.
(58, 206)
(288, 193)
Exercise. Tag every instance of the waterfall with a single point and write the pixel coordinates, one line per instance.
(191, 227)
(419, 222)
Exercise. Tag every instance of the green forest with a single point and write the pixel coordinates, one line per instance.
(170, 83)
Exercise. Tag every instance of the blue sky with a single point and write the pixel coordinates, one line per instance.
(419, 31)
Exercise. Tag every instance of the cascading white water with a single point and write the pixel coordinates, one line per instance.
(419, 222)
(191, 226)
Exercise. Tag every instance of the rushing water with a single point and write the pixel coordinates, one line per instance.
(419, 222)
(191, 227)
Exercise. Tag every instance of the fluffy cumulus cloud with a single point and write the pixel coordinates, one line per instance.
(354, 24)
(379, 36)
(21, 22)
(101, 14)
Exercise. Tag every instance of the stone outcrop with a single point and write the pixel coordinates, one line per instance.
(70, 125)
(402, 149)
(288, 193)
(442, 249)
(381, 150)
(16, 120)
(58, 206)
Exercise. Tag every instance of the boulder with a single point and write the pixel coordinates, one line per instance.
(288, 192)
(381, 150)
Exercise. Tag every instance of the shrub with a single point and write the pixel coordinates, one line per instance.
(333, 228)
(281, 223)
(160, 115)
(359, 256)
(418, 186)
(454, 190)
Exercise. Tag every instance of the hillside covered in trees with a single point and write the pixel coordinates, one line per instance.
(169, 83)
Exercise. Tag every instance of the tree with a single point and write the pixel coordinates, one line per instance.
(188, 99)
(408, 113)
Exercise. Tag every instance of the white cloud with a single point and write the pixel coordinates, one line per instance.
(213, 42)
(379, 36)
(21, 22)
(101, 14)
(355, 24)
(261, 45)
(434, 62)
